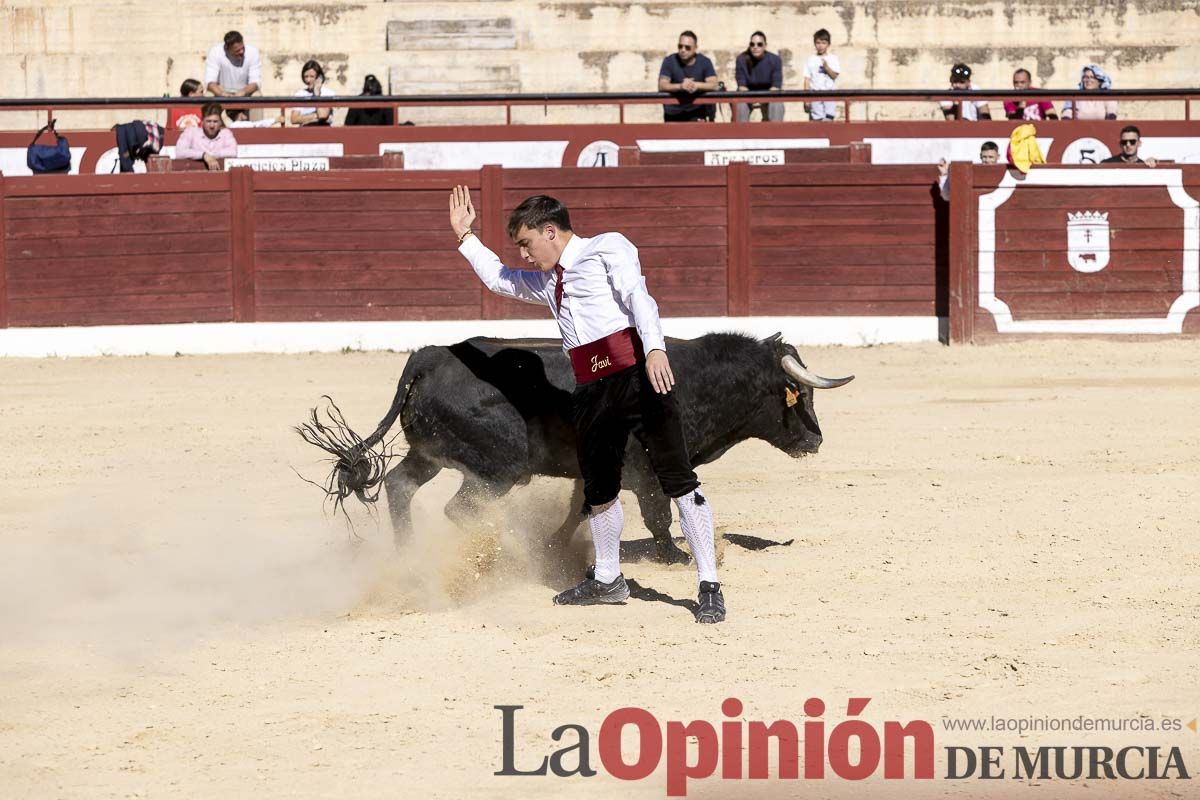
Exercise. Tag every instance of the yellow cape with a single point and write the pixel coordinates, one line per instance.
(1023, 150)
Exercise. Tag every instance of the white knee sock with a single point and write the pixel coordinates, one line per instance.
(606, 523)
(696, 519)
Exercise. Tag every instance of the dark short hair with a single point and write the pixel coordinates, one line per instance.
(989, 146)
(960, 72)
(1028, 74)
(536, 211)
(1131, 129)
(190, 86)
(371, 85)
(208, 109)
(822, 34)
(692, 34)
(232, 38)
(313, 64)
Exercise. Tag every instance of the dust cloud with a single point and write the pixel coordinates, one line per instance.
(118, 575)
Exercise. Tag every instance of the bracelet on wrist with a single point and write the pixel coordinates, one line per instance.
(464, 236)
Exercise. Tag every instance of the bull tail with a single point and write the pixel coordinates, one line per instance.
(359, 465)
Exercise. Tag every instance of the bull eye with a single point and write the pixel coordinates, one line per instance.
(793, 397)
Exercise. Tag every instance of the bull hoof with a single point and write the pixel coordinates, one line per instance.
(673, 554)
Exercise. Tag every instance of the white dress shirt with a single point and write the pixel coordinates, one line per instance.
(603, 288)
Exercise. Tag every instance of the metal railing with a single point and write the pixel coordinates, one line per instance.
(620, 99)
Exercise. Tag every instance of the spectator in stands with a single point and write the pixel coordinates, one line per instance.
(185, 116)
(240, 118)
(211, 141)
(314, 86)
(758, 70)
(1019, 109)
(687, 74)
(371, 116)
(960, 81)
(989, 153)
(1131, 141)
(820, 75)
(233, 69)
(1091, 79)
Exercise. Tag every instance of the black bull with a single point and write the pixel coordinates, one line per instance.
(499, 412)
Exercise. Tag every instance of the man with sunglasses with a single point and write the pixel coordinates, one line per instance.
(686, 74)
(758, 70)
(1131, 140)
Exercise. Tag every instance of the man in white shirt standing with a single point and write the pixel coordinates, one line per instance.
(233, 69)
(612, 334)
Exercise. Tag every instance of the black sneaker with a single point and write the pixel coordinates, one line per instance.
(711, 603)
(592, 592)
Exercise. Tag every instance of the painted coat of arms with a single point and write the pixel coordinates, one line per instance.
(1087, 240)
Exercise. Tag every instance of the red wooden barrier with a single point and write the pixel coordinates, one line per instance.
(1075, 250)
(242, 247)
(3, 261)
(117, 249)
(853, 240)
(819, 239)
(737, 206)
(492, 228)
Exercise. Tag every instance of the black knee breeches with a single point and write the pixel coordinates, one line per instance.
(606, 412)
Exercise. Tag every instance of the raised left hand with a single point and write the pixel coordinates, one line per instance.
(658, 368)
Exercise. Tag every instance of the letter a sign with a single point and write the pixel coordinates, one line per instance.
(1087, 240)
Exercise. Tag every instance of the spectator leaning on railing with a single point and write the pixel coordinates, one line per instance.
(212, 140)
(234, 68)
(960, 81)
(687, 73)
(758, 70)
(1019, 109)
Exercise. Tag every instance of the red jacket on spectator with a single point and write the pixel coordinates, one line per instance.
(185, 117)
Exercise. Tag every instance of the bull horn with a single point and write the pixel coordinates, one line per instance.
(800, 374)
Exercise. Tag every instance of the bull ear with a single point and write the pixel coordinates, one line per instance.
(774, 337)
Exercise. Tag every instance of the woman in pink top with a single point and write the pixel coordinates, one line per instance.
(212, 140)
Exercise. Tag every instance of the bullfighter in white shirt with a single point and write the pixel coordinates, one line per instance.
(611, 332)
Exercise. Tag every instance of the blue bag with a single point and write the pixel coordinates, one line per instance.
(42, 158)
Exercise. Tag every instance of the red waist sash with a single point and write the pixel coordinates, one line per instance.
(606, 356)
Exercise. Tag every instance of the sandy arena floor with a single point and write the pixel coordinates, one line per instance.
(1004, 531)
